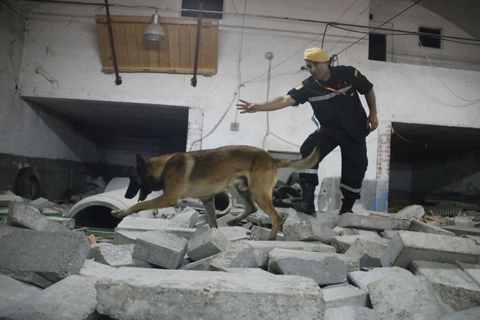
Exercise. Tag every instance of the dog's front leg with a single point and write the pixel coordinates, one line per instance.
(210, 212)
(162, 201)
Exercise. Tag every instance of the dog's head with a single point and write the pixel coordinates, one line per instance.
(138, 181)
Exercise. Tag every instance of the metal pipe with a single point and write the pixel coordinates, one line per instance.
(118, 79)
(193, 81)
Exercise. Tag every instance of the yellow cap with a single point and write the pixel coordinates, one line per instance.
(316, 54)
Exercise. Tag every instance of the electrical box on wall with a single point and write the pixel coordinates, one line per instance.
(234, 126)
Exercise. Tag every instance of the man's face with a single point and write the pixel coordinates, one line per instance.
(318, 70)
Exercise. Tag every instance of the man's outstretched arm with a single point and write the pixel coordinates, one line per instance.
(271, 105)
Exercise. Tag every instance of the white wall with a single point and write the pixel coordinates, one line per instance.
(405, 93)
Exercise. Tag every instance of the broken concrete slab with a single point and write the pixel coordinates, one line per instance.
(25, 216)
(307, 230)
(419, 226)
(92, 253)
(248, 271)
(474, 238)
(351, 313)
(324, 268)
(372, 223)
(68, 223)
(345, 231)
(95, 269)
(126, 237)
(396, 299)
(259, 233)
(472, 270)
(207, 295)
(452, 285)
(73, 298)
(207, 244)
(53, 255)
(345, 295)
(201, 265)
(40, 203)
(367, 252)
(161, 248)
(27, 277)
(235, 233)
(119, 256)
(253, 254)
(469, 314)
(186, 218)
(130, 223)
(414, 211)
(6, 199)
(13, 291)
(407, 246)
(342, 244)
(388, 234)
(362, 278)
(462, 231)
(464, 222)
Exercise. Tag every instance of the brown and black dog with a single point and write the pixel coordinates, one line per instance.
(202, 174)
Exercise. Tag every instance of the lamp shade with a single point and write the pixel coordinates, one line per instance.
(154, 31)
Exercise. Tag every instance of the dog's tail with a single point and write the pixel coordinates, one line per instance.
(303, 164)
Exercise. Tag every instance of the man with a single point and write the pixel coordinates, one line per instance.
(333, 95)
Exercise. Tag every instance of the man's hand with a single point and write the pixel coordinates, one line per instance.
(247, 107)
(119, 214)
(372, 122)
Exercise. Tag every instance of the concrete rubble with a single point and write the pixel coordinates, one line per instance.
(172, 265)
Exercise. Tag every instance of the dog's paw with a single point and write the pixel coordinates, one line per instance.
(119, 214)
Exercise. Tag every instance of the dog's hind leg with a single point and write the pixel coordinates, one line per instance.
(264, 201)
(246, 197)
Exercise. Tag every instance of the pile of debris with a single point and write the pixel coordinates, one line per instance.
(367, 265)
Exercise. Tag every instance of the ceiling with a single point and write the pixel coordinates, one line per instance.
(119, 119)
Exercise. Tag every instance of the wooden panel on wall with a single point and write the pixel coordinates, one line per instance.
(175, 54)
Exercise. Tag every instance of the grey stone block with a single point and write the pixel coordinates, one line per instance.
(187, 218)
(372, 223)
(92, 253)
(254, 254)
(348, 295)
(469, 314)
(472, 270)
(307, 230)
(324, 268)
(25, 216)
(362, 279)
(161, 248)
(94, 269)
(201, 265)
(126, 237)
(207, 244)
(6, 199)
(452, 285)
(414, 211)
(351, 313)
(235, 233)
(462, 231)
(13, 291)
(53, 255)
(130, 223)
(398, 299)
(207, 295)
(259, 233)
(388, 234)
(342, 244)
(40, 203)
(248, 271)
(407, 246)
(68, 223)
(464, 222)
(27, 277)
(367, 252)
(73, 298)
(119, 256)
(419, 226)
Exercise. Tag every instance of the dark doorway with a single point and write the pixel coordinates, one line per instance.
(377, 47)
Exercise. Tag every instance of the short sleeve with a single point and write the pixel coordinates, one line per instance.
(360, 82)
(299, 94)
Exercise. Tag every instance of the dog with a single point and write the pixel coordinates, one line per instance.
(202, 174)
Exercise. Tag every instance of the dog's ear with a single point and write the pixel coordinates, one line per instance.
(141, 164)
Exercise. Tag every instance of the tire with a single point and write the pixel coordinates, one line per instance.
(27, 184)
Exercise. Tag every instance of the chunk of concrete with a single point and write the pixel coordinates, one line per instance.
(419, 226)
(254, 254)
(126, 237)
(52, 255)
(236, 233)
(396, 299)
(248, 271)
(414, 211)
(367, 252)
(119, 256)
(372, 223)
(469, 314)
(27, 277)
(130, 223)
(307, 230)
(40, 203)
(186, 218)
(161, 248)
(68, 223)
(6, 199)
(342, 244)
(207, 244)
(388, 234)
(324, 268)
(95, 269)
(351, 313)
(407, 246)
(207, 295)
(259, 233)
(452, 285)
(13, 291)
(73, 298)
(464, 222)
(362, 279)
(92, 253)
(347, 295)
(28, 217)
(200, 265)
(462, 231)
(472, 270)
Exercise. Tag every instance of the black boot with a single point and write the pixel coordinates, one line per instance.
(347, 205)
(306, 205)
